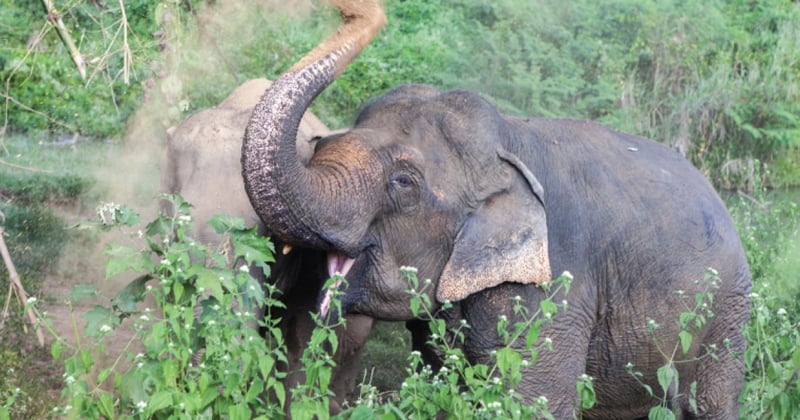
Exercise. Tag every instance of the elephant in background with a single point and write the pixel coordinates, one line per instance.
(488, 206)
(202, 163)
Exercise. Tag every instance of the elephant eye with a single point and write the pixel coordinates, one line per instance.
(402, 181)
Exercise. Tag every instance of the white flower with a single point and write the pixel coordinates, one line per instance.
(141, 405)
(144, 318)
(31, 300)
(567, 274)
(244, 268)
(105, 328)
(781, 312)
(69, 380)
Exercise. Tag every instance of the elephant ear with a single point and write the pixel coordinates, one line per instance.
(504, 240)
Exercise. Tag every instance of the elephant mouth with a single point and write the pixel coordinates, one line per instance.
(338, 263)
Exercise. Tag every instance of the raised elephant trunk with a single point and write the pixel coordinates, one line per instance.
(280, 187)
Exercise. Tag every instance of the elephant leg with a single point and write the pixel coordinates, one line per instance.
(719, 381)
(352, 337)
(560, 362)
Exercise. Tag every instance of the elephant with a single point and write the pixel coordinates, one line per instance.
(489, 206)
(201, 162)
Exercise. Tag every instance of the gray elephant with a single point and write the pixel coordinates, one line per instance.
(488, 206)
(202, 163)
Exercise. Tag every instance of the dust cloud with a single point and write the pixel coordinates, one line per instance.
(198, 56)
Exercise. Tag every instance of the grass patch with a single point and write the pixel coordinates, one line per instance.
(389, 342)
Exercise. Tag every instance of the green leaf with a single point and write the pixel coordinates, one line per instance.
(223, 223)
(125, 258)
(666, 374)
(255, 390)
(105, 404)
(415, 304)
(127, 216)
(209, 279)
(127, 299)
(239, 412)
(100, 320)
(103, 375)
(253, 248)
(508, 358)
(549, 308)
(796, 358)
(362, 412)
(531, 336)
(55, 349)
(660, 413)
(159, 401)
(686, 341)
(161, 226)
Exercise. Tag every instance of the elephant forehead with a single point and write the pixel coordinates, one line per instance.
(349, 150)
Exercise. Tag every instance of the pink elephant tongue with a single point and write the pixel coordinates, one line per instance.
(338, 263)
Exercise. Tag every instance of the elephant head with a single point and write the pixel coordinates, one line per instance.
(424, 179)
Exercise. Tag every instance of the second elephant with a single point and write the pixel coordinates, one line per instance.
(202, 163)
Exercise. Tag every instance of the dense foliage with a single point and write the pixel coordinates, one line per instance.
(718, 81)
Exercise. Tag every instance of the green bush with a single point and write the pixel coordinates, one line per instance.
(196, 353)
(35, 237)
(769, 229)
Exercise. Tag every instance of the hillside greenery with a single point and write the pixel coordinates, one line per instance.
(717, 81)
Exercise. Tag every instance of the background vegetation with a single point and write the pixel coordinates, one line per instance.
(718, 81)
